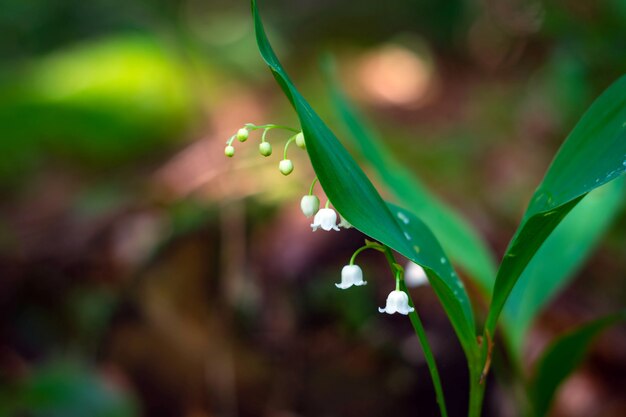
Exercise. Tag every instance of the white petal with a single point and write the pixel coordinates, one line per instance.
(343, 285)
(406, 310)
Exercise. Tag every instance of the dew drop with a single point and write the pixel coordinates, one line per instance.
(442, 260)
(403, 217)
(416, 248)
(407, 236)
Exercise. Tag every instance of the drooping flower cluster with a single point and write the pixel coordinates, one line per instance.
(285, 166)
(397, 300)
(326, 219)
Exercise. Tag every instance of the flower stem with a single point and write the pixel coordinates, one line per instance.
(312, 186)
(421, 335)
(263, 135)
(291, 139)
(269, 126)
(370, 245)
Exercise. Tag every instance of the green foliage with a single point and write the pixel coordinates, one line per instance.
(101, 103)
(354, 196)
(456, 235)
(561, 358)
(555, 235)
(67, 390)
(560, 256)
(592, 155)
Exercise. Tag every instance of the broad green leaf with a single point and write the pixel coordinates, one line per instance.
(561, 358)
(558, 259)
(592, 155)
(456, 235)
(356, 199)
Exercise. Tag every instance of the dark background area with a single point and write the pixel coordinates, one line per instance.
(142, 273)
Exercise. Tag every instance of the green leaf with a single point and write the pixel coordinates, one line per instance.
(561, 358)
(592, 155)
(558, 259)
(455, 234)
(356, 199)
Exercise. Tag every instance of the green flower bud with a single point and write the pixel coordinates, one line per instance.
(300, 140)
(285, 166)
(229, 151)
(265, 149)
(242, 134)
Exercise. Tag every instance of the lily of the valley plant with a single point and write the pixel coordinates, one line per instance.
(583, 184)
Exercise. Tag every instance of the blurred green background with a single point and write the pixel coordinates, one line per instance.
(142, 273)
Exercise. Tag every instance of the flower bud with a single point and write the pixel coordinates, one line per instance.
(265, 149)
(300, 140)
(310, 205)
(229, 151)
(242, 134)
(285, 166)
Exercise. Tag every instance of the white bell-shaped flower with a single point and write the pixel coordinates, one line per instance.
(414, 275)
(351, 275)
(325, 218)
(310, 205)
(397, 302)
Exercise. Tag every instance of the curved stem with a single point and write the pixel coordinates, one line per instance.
(291, 139)
(312, 186)
(229, 142)
(376, 246)
(421, 335)
(251, 126)
(263, 135)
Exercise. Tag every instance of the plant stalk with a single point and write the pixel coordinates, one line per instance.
(421, 335)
